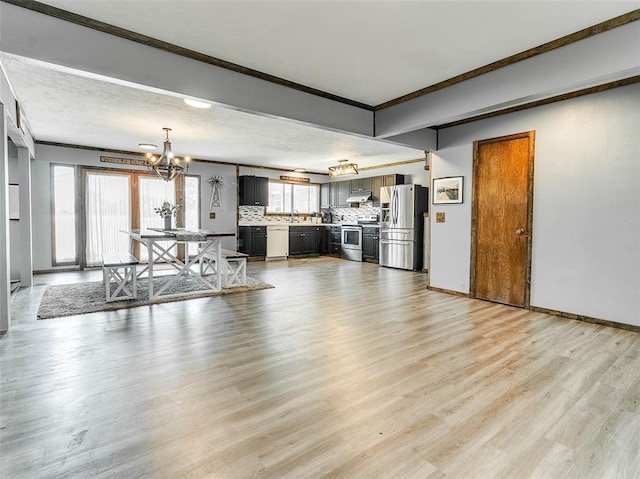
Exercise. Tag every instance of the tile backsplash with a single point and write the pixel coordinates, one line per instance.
(255, 214)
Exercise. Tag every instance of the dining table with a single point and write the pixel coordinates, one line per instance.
(160, 243)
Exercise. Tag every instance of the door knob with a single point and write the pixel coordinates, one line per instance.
(519, 231)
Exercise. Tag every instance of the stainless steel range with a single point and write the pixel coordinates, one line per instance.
(352, 237)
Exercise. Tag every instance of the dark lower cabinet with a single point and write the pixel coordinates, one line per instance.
(303, 240)
(332, 240)
(295, 240)
(253, 240)
(370, 243)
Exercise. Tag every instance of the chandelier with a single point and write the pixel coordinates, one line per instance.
(168, 166)
(343, 169)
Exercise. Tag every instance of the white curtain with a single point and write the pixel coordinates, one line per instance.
(191, 213)
(152, 193)
(108, 210)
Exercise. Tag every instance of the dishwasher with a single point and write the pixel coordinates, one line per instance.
(277, 242)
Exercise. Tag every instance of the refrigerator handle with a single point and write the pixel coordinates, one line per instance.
(394, 215)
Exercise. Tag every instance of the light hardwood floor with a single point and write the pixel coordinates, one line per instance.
(344, 370)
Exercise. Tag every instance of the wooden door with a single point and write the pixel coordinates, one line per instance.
(502, 219)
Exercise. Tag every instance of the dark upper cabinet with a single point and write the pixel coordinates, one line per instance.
(335, 194)
(392, 180)
(254, 191)
(344, 191)
(361, 184)
(376, 184)
(325, 195)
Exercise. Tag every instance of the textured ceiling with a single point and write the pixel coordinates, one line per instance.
(65, 107)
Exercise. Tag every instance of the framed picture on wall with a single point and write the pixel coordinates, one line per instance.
(447, 190)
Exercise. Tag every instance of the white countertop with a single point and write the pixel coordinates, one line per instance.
(301, 223)
(306, 223)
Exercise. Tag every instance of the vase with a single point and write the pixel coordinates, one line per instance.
(167, 222)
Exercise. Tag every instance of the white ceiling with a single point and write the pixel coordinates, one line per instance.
(367, 51)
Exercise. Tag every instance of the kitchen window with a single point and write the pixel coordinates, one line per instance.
(287, 198)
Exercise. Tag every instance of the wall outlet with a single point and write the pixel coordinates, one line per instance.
(212, 216)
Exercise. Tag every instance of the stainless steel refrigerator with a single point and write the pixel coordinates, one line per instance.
(402, 209)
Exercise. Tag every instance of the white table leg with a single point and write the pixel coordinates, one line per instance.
(219, 266)
(151, 263)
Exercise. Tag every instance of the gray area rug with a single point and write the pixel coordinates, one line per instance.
(79, 298)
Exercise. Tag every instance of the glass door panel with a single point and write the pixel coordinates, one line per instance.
(64, 215)
(108, 211)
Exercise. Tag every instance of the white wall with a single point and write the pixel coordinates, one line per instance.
(586, 211)
(225, 220)
(14, 225)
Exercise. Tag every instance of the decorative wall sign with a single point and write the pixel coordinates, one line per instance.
(216, 196)
(447, 190)
(122, 161)
(294, 179)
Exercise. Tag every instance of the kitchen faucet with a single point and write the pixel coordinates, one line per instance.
(294, 214)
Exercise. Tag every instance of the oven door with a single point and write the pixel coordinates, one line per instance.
(352, 243)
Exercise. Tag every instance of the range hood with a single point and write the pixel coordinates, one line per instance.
(359, 197)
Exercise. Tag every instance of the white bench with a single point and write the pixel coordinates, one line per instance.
(234, 267)
(119, 268)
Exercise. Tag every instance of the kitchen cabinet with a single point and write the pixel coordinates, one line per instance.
(335, 194)
(295, 240)
(376, 184)
(253, 240)
(392, 180)
(370, 243)
(325, 195)
(361, 184)
(332, 243)
(303, 240)
(254, 191)
(344, 191)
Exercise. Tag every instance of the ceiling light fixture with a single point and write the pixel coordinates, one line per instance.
(299, 170)
(197, 103)
(167, 166)
(147, 146)
(343, 169)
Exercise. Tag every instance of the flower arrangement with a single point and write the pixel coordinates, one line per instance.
(167, 209)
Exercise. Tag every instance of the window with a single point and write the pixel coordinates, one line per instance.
(289, 198)
(117, 200)
(64, 215)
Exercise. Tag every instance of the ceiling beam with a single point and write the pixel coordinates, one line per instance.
(61, 42)
(596, 60)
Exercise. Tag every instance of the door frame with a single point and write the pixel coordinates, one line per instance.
(530, 135)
